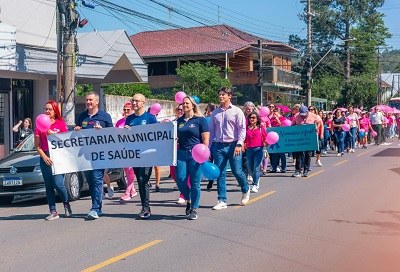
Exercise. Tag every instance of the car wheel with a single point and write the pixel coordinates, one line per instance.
(73, 185)
(6, 199)
(122, 182)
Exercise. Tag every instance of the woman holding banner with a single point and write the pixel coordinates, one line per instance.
(52, 181)
(192, 130)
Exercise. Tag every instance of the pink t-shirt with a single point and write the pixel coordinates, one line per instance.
(266, 122)
(274, 121)
(58, 126)
(364, 123)
(120, 123)
(311, 118)
(255, 137)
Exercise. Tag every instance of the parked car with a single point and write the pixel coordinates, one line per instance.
(20, 175)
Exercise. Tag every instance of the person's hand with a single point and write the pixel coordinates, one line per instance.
(238, 150)
(49, 132)
(97, 125)
(48, 161)
(77, 128)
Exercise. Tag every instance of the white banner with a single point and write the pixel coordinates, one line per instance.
(138, 146)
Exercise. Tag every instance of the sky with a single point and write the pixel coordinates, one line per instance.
(271, 19)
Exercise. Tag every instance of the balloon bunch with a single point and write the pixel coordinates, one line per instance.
(200, 154)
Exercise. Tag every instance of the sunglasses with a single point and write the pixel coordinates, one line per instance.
(311, 109)
(126, 109)
(253, 117)
(179, 109)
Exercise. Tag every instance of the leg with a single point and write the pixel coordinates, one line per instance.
(143, 176)
(195, 177)
(157, 175)
(236, 165)
(220, 160)
(48, 182)
(250, 162)
(182, 173)
(257, 158)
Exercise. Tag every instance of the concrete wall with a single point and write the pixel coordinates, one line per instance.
(40, 95)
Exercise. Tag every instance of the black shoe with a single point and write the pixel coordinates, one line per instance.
(67, 210)
(305, 174)
(157, 188)
(192, 215)
(210, 185)
(187, 211)
(272, 171)
(144, 213)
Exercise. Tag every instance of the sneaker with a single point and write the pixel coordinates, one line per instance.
(181, 201)
(157, 188)
(254, 189)
(144, 213)
(52, 216)
(221, 205)
(352, 151)
(296, 174)
(305, 173)
(192, 214)
(92, 215)
(318, 163)
(67, 210)
(187, 210)
(324, 152)
(110, 191)
(210, 185)
(125, 197)
(249, 178)
(278, 169)
(342, 154)
(245, 197)
(339, 154)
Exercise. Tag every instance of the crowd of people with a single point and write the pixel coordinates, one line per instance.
(237, 138)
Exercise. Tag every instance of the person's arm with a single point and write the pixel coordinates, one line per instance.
(211, 128)
(40, 151)
(241, 126)
(16, 127)
(205, 137)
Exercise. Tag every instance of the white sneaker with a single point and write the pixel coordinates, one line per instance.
(110, 192)
(339, 154)
(254, 189)
(278, 169)
(181, 201)
(352, 151)
(221, 205)
(245, 197)
(249, 178)
(318, 163)
(324, 152)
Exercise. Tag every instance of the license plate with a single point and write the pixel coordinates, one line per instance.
(12, 181)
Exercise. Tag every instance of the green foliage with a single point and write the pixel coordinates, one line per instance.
(390, 61)
(359, 91)
(202, 80)
(328, 87)
(124, 89)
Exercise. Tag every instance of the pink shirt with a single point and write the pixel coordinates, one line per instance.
(255, 137)
(311, 118)
(58, 126)
(274, 121)
(120, 123)
(364, 123)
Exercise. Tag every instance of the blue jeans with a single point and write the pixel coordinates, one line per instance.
(95, 181)
(352, 137)
(143, 175)
(185, 167)
(254, 157)
(222, 153)
(52, 182)
(275, 157)
(339, 136)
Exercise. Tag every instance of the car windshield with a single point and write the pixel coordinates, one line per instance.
(26, 145)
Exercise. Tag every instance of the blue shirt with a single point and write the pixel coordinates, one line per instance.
(189, 132)
(84, 120)
(144, 119)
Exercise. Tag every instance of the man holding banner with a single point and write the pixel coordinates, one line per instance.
(91, 118)
(303, 158)
(141, 117)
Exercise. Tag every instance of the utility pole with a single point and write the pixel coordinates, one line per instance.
(260, 71)
(67, 31)
(309, 53)
(379, 98)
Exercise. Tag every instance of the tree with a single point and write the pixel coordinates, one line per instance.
(122, 89)
(202, 80)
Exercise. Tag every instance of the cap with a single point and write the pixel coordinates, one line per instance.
(303, 110)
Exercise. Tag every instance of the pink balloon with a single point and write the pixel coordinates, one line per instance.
(362, 130)
(263, 111)
(43, 122)
(200, 153)
(155, 109)
(286, 123)
(346, 127)
(179, 96)
(272, 137)
(374, 133)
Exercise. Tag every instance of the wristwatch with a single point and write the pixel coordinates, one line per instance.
(238, 145)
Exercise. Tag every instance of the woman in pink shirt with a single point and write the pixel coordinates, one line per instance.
(130, 175)
(51, 181)
(254, 143)
(365, 124)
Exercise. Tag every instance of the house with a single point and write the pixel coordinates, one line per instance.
(28, 62)
(237, 53)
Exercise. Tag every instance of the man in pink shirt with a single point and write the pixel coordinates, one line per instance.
(303, 158)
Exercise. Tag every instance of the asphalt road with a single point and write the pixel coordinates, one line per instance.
(344, 217)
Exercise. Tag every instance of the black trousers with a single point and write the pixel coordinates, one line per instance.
(303, 160)
(143, 175)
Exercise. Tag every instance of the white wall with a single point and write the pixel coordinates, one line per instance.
(40, 96)
(35, 20)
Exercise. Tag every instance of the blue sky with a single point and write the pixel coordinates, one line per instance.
(272, 19)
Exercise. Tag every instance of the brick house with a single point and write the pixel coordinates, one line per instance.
(237, 53)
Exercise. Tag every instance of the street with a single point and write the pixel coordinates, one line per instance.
(344, 217)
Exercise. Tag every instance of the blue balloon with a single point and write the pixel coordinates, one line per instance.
(361, 134)
(196, 99)
(210, 170)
